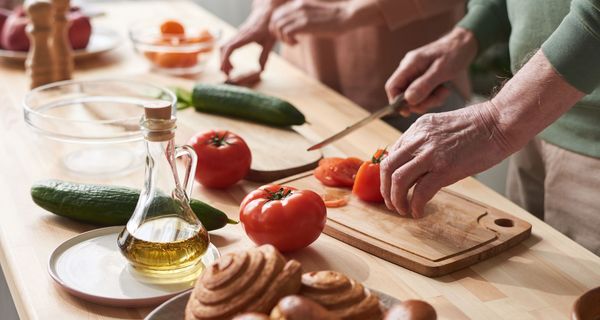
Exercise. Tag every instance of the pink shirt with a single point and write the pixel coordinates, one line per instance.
(358, 63)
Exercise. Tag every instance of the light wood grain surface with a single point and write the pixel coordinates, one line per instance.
(538, 279)
(454, 233)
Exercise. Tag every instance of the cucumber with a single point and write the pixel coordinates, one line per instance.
(243, 103)
(107, 205)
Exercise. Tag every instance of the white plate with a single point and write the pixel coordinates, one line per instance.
(101, 40)
(91, 267)
(175, 307)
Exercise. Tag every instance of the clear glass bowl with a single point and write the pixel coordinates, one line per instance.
(93, 125)
(174, 55)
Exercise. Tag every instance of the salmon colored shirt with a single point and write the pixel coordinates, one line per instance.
(358, 63)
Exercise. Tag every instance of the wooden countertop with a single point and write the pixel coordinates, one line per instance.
(539, 278)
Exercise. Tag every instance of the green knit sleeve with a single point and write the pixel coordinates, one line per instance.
(574, 47)
(488, 20)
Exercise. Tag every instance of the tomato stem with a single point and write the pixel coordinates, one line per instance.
(279, 194)
(379, 155)
(219, 141)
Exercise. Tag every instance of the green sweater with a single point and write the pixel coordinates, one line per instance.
(569, 34)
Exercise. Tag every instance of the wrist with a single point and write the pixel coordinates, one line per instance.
(464, 40)
(500, 130)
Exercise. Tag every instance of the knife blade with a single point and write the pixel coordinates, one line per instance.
(387, 110)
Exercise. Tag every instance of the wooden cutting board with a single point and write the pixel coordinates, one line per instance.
(454, 233)
(276, 152)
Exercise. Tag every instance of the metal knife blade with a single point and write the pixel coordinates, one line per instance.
(387, 110)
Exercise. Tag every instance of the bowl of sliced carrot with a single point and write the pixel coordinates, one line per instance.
(174, 47)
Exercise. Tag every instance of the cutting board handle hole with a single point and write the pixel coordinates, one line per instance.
(503, 222)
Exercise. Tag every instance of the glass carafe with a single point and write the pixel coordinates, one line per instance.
(164, 237)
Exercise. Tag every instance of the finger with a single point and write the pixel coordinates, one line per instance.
(228, 48)
(411, 66)
(403, 179)
(280, 17)
(437, 98)
(393, 161)
(289, 31)
(425, 189)
(423, 86)
(264, 55)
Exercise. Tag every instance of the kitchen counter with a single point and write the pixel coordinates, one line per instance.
(538, 279)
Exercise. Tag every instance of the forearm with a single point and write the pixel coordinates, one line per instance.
(488, 20)
(533, 99)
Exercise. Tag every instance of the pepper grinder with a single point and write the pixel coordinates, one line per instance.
(39, 63)
(60, 44)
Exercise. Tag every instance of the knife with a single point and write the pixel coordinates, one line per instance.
(387, 110)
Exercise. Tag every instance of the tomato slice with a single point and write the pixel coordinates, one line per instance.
(334, 201)
(323, 175)
(345, 171)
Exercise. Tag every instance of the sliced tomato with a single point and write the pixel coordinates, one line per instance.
(345, 171)
(323, 174)
(334, 201)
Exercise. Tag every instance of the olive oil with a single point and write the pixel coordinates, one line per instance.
(164, 245)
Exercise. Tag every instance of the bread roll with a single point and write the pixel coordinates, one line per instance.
(251, 316)
(299, 308)
(412, 310)
(249, 281)
(344, 297)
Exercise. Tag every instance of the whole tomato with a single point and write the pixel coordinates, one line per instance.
(223, 158)
(285, 217)
(367, 185)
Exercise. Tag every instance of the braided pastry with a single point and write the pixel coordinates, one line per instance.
(249, 281)
(344, 297)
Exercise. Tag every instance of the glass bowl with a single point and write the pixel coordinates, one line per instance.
(174, 54)
(93, 125)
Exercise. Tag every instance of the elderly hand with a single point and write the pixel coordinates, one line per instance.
(423, 70)
(254, 29)
(438, 150)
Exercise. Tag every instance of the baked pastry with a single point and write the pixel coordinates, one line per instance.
(248, 281)
(251, 316)
(411, 310)
(300, 308)
(344, 297)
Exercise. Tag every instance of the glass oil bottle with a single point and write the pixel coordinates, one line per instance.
(164, 238)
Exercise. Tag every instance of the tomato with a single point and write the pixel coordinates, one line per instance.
(172, 27)
(334, 201)
(367, 184)
(223, 158)
(285, 217)
(337, 172)
(175, 59)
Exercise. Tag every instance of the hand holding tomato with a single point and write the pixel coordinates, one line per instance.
(367, 183)
(223, 158)
(285, 217)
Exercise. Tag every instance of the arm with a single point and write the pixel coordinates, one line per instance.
(423, 70)
(443, 148)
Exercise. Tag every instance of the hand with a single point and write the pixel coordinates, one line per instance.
(423, 70)
(320, 18)
(254, 29)
(438, 150)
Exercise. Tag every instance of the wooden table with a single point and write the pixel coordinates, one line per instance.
(538, 279)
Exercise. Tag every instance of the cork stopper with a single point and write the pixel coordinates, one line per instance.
(158, 110)
(158, 125)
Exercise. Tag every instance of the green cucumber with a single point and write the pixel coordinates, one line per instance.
(107, 205)
(243, 103)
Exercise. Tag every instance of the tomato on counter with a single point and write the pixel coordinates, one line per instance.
(223, 158)
(337, 172)
(367, 184)
(284, 217)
